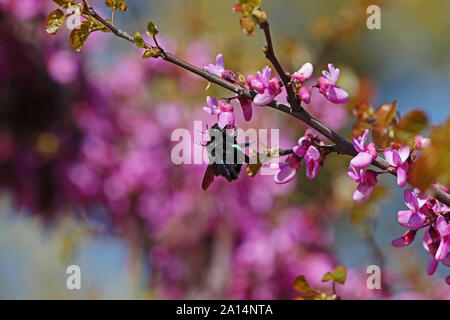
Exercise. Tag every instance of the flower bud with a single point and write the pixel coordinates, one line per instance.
(304, 94)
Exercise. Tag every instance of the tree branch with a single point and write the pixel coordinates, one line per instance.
(342, 145)
(270, 55)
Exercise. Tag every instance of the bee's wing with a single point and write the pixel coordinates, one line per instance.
(208, 178)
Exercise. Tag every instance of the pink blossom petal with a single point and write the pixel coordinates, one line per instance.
(396, 158)
(208, 110)
(334, 73)
(389, 156)
(303, 145)
(220, 62)
(248, 112)
(372, 150)
(402, 177)
(417, 220)
(399, 242)
(365, 136)
(257, 86)
(403, 153)
(411, 200)
(422, 198)
(361, 160)
(403, 217)
(337, 95)
(441, 225)
(312, 169)
(432, 265)
(212, 103)
(313, 153)
(426, 242)
(226, 118)
(305, 95)
(307, 69)
(446, 261)
(286, 174)
(354, 174)
(214, 70)
(358, 145)
(363, 192)
(442, 251)
(262, 99)
(406, 239)
(266, 74)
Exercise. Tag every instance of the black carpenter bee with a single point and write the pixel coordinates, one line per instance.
(225, 155)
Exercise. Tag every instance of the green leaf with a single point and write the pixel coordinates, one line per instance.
(363, 110)
(54, 21)
(79, 36)
(63, 3)
(360, 126)
(434, 162)
(386, 114)
(254, 3)
(411, 124)
(138, 40)
(339, 275)
(151, 53)
(118, 5)
(328, 277)
(301, 285)
(259, 15)
(152, 30)
(121, 5)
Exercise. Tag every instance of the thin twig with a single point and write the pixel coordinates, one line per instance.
(270, 55)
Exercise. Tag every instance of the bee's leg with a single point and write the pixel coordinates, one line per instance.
(233, 172)
(222, 170)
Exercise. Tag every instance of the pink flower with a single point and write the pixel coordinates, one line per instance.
(312, 161)
(413, 218)
(266, 87)
(328, 88)
(303, 145)
(367, 181)
(398, 160)
(217, 68)
(443, 229)
(304, 73)
(222, 109)
(286, 171)
(406, 239)
(439, 208)
(432, 242)
(366, 154)
(421, 142)
(304, 94)
(310, 153)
